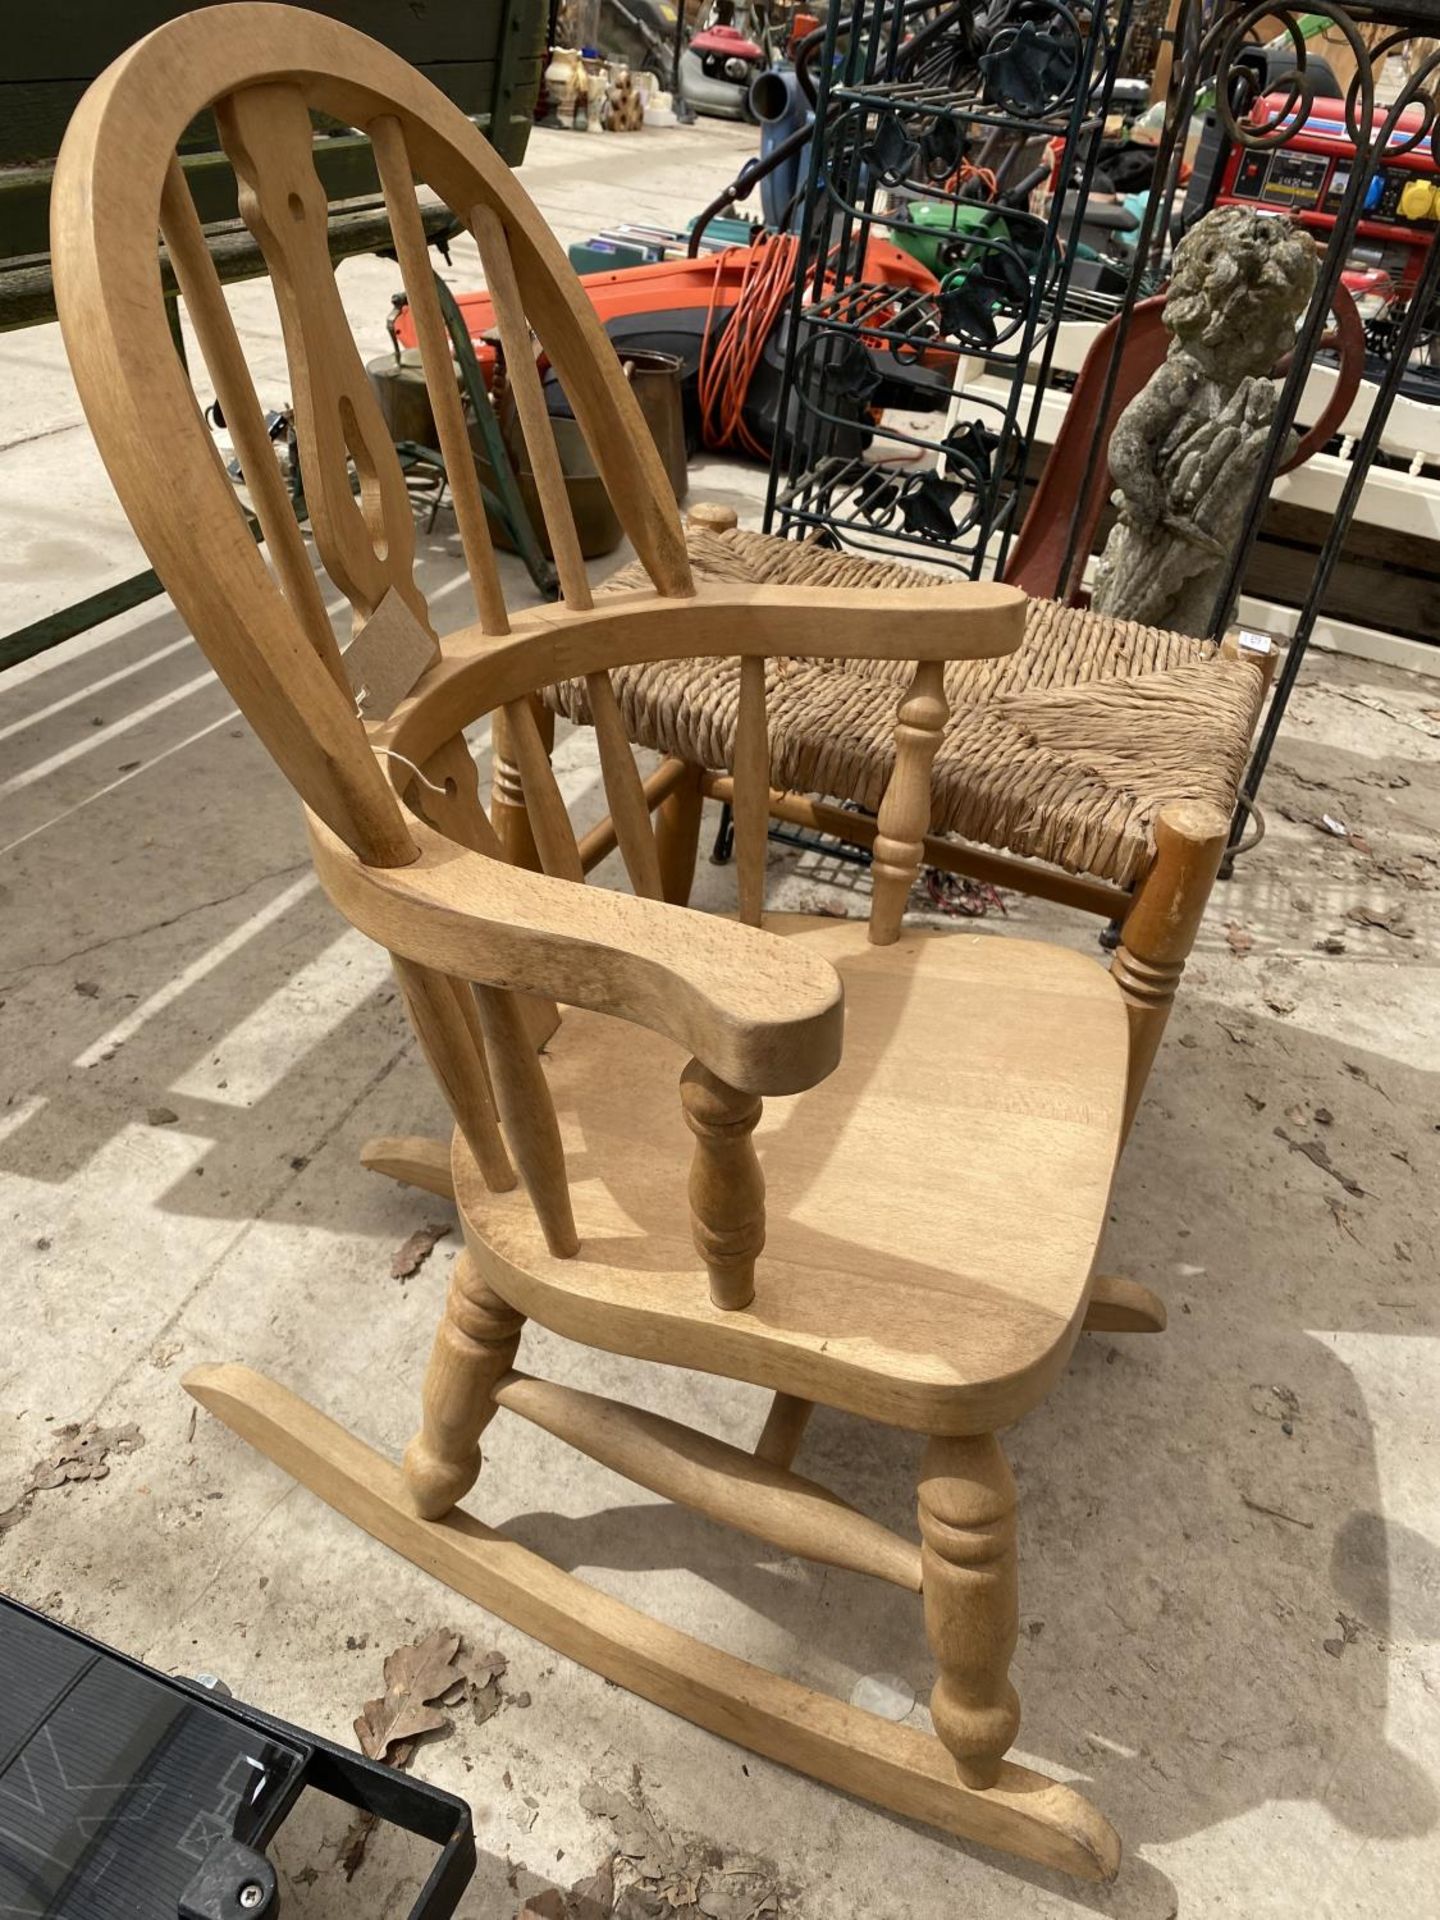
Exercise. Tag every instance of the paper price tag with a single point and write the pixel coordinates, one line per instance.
(387, 657)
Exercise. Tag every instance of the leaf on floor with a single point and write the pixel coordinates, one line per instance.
(416, 1677)
(1240, 939)
(1389, 920)
(590, 1898)
(1349, 1633)
(1238, 1034)
(351, 1855)
(1359, 1073)
(655, 1873)
(412, 1254)
(593, 1896)
(548, 1904)
(83, 1454)
(1319, 1153)
(485, 1672)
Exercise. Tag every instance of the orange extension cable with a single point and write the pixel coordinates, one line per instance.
(729, 359)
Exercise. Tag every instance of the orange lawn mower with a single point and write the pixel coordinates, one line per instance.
(722, 316)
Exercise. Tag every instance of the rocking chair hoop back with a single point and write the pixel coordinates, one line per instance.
(265, 68)
(869, 1312)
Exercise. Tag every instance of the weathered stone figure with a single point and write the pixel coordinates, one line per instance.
(1186, 450)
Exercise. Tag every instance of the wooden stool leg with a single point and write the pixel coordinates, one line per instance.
(967, 1526)
(784, 1429)
(1159, 930)
(677, 837)
(475, 1345)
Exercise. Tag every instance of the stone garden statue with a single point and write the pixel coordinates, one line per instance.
(1185, 452)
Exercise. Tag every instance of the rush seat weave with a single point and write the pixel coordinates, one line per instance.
(1064, 751)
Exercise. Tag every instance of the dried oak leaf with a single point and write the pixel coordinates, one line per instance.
(415, 1677)
(83, 1454)
(1387, 919)
(412, 1254)
(1317, 1152)
(1240, 939)
(592, 1897)
(351, 1856)
(548, 1904)
(485, 1672)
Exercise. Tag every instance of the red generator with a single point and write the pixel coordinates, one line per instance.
(1306, 178)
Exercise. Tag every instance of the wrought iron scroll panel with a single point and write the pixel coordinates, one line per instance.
(906, 94)
(1214, 67)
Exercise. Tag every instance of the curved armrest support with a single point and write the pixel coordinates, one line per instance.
(759, 1012)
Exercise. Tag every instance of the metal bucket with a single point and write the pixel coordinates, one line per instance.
(655, 379)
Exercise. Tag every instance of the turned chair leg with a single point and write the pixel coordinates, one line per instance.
(677, 836)
(784, 1429)
(1159, 929)
(474, 1347)
(967, 1526)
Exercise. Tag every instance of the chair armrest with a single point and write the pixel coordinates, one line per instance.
(758, 1011)
(966, 620)
(959, 620)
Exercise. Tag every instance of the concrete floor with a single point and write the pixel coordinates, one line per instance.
(1230, 1570)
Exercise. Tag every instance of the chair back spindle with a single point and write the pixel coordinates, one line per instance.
(549, 816)
(392, 161)
(524, 377)
(204, 298)
(529, 1116)
(624, 789)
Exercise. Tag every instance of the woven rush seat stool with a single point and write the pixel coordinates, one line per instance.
(1097, 766)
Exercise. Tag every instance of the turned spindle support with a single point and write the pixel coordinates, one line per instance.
(967, 1527)
(475, 1346)
(508, 813)
(904, 817)
(727, 1186)
(1159, 930)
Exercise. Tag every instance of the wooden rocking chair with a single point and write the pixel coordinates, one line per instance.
(988, 1071)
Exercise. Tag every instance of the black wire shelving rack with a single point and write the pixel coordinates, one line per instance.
(966, 139)
(1252, 70)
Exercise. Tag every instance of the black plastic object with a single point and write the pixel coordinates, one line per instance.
(127, 1794)
(235, 1883)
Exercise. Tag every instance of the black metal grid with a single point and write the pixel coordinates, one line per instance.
(889, 118)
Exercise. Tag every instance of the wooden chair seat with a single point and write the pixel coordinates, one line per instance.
(935, 1204)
